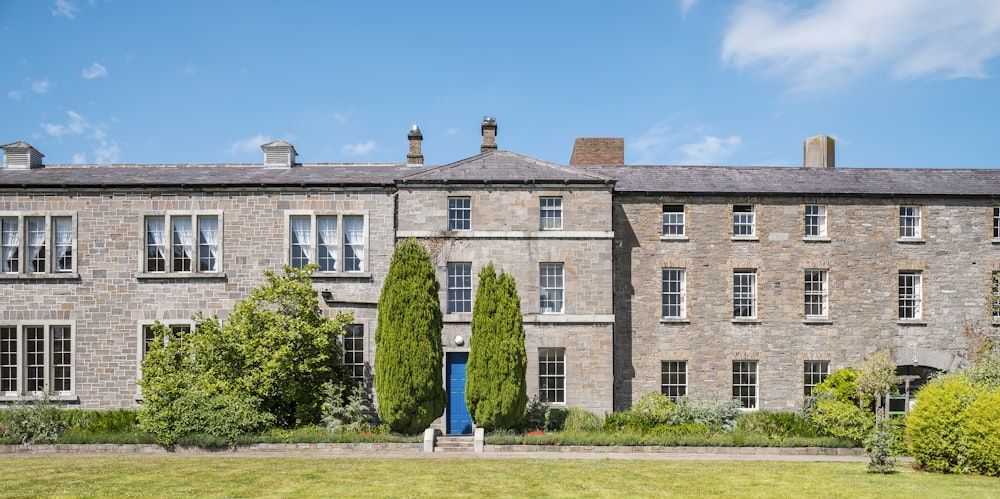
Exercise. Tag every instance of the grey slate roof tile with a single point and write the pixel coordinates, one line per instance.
(503, 167)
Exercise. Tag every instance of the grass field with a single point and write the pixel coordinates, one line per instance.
(216, 476)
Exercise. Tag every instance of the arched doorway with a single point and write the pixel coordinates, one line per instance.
(909, 379)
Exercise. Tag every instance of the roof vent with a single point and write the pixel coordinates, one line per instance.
(598, 151)
(415, 157)
(21, 156)
(489, 135)
(818, 152)
(279, 154)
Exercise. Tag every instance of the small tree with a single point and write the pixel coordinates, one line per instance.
(876, 377)
(408, 353)
(495, 387)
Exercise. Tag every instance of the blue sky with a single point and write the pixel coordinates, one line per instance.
(898, 83)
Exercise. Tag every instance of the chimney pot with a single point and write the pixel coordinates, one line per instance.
(489, 135)
(415, 157)
(818, 152)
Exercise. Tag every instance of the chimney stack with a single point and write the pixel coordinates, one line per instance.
(598, 151)
(818, 152)
(21, 156)
(489, 135)
(415, 157)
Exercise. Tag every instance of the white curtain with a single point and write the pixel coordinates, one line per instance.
(208, 230)
(155, 237)
(326, 229)
(354, 236)
(301, 240)
(184, 237)
(36, 243)
(64, 243)
(11, 242)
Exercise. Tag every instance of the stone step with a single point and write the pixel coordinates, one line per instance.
(454, 443)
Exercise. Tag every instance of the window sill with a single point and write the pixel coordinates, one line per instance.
(674, 320)
(746, 320)
(66, 276)
(816, 239)
(911, 322)
(744, 238)
(341, 275)
(673, 238)
(567, 319)
(910, 240)
(995, 241)
(181, 275)
(817, 320)
(457, 318)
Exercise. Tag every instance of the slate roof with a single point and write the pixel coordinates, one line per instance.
(504, 167)
(787, 180)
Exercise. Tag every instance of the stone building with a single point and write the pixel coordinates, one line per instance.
(745, 282)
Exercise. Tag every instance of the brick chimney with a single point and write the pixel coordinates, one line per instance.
(279, 154)
(21, 156)
(415, 157)
(818, 152)
(489, 135)
(598, 151)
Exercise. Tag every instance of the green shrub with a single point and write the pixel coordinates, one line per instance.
(986, 372)
(33, 421)
(936, 427)
(655, 408)
(340, 409)
(110, 421)
(776, 425)
(536, 415)
(719, 414)
(581, 420)
(842, 419)
(878, 446)
(681, 429)
(983, 431)
(841, 385)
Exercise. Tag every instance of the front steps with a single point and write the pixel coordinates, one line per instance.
(435, 441)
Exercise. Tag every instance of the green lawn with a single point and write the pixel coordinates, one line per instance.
(223, 476)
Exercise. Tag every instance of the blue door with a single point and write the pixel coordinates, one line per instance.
(458, 420)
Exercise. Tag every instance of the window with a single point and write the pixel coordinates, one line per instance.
(673, 220)
(48, 243)
(816, 293)
(673, 293)
(459, 288)
(354, 351)
(996, 222)
(743, 220)
(550, 287)
(909, 222)
(745, 294)
(910, 294)
(745, 383)
(673, 378)
(995, 295)
(552, 375)
(183, 242)
(149, 335)
(36, 359)
(550, 213)
(815, 371)
(459, 213)
(316, 239)
(815, 220)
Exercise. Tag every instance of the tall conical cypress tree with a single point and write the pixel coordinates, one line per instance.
(495, 386)
(408, 353)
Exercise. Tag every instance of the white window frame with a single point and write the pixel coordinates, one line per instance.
(996, 223)
(911, 294)
(674, 220)
(145, 337)
(673, 378)
(49, 366)
(550, 213)
(744, 221)
(817, 293)
(674, 296)
(910, 219)
(814, 372)
(552, 375)
(459, 292)
(354, 351)
(815, 221)
(459, 213)
(995, 296)
(344, 253)
(551, 288)
(199, 251)
(746, 383)
(744, 294)
(15, 241)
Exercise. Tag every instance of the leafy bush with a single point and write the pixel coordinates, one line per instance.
(537, 415)
(719, 414)
(878, 446)
(986, 372)
(936, 427)
(110, 421)
(841, 385)
(580, 420)
(33, 421)
(983, 431)
(664, 430)
(776, 425)
(655, 408)
(340, 409)
(843, 419)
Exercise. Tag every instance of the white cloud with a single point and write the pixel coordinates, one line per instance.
(249, 145)
(41, 86)
(65, 8)
(358, 149)
(709, 150)
(76, 125)
(14, 94)
(106, 150)
(341, 117)
(836, 41)
(654, 143)
(686, 6)
(94, 71)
